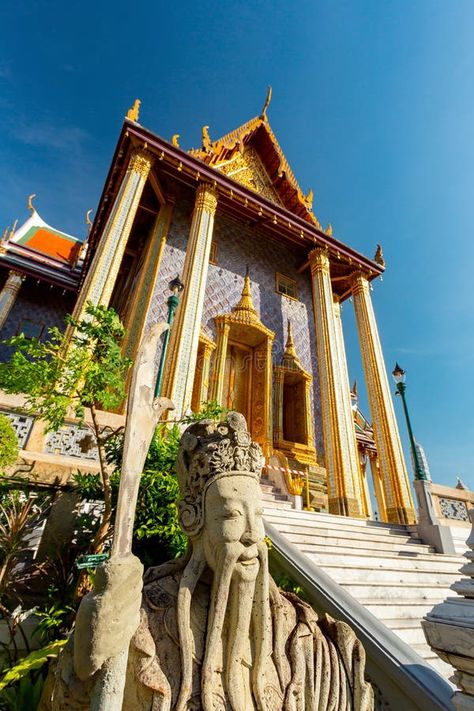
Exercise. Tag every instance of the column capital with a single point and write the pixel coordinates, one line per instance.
(14, 275)
(206, 198)
(360, 283)
(319, 260)
(141, 161)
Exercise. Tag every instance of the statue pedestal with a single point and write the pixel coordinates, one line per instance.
(449, 630)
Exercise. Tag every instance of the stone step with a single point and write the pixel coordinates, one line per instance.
(333, 521)
(288, 524)
(307, 543)
(274, 496)
(430, 592)
(410, 635)
(381, 560)
(392, 573)
(387, 609)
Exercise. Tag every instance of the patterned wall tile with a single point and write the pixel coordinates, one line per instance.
(237, 247)
(38, 303)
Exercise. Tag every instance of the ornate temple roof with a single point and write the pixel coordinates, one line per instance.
(252, 156)
(42, 251)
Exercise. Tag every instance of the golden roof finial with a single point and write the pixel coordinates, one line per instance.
(133, 113)
(13, 230)
(245, 302)
(378, 257)
(206, 139)
(88, 218)
(267, 103)
(30, 202)
(175, 140)
(354, 389)
(309, 199)
(328, 230)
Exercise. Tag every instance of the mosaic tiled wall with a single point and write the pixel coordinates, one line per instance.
(237, 247)
(40, 306)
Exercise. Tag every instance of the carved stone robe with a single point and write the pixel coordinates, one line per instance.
(317, 664)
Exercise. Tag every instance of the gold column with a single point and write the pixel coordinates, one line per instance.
(8, 294)
(144, 289)
(393, 471)
(378, 488)
(100, 280)
(184, 337)
(218, 371)
(345, 399)
(338, 441)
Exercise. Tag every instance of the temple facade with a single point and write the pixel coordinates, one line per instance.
(258, 326)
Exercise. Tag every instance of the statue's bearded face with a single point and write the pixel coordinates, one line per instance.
(233, 526)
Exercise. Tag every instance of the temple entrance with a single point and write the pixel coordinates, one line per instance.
(237, 392)
(242, 371)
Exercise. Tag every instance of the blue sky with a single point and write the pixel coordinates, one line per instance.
(373, 103)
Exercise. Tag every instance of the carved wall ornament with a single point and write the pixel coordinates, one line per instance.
(454, 509)
(246, 168)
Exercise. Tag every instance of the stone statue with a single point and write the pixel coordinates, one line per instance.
(215, 633)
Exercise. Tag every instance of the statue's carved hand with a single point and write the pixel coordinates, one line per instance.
(108, 617)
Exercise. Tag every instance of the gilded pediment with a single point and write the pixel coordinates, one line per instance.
(246, 168)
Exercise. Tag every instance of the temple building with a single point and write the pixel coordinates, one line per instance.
(258, 327)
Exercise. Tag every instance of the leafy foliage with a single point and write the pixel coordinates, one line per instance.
(157, 534)
(8, 442)
(81, 368)
(19, 516)
(288, 584)
(34, 660)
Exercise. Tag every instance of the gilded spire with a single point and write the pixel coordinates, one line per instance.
(290, 357)
(245, 304)
(134, 112)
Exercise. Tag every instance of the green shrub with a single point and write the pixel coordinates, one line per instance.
(8, 443)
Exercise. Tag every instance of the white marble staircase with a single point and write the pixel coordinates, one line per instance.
(384, 566)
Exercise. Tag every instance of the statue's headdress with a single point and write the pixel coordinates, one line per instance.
(209, 451)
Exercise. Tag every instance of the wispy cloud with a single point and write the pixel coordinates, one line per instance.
(49, 135)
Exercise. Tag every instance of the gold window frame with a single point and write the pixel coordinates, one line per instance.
(281, 278)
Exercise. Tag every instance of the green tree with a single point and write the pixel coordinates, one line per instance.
(157, 535)
(71, 373)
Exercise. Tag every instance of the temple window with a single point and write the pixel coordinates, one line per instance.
(213, 253)
(292, 428)
(286, 286)
(294, 409)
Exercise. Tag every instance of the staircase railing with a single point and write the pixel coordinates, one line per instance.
(400, 677)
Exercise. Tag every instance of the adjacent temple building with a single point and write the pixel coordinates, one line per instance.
(258, 327)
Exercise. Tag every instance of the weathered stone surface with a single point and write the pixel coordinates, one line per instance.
(215, 632)
(449, 630)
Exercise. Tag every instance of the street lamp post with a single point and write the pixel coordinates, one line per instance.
(399, 377)
(176, 286)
